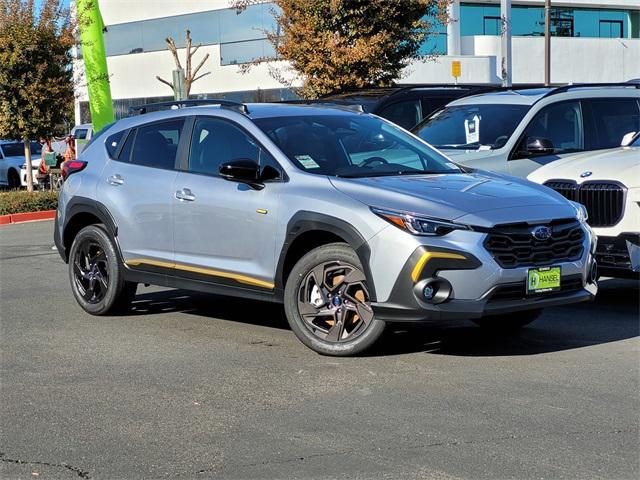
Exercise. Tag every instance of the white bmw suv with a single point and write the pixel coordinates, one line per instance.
(607, 183)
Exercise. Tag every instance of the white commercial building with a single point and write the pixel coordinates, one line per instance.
(592, 41)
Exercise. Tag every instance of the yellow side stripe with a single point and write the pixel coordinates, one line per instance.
(417, 270)
(205, 271)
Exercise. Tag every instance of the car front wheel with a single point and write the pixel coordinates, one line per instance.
(96, 276)
(327, 302)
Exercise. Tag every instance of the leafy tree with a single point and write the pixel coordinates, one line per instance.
(36, 80)
(338, 45)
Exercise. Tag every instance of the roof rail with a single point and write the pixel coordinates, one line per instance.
(342, 104)
(566, 88)
(151, 107)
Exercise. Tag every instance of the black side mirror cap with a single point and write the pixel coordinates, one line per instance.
(537, 146)
(241, 170)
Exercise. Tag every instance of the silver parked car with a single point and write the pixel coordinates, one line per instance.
(347, 219)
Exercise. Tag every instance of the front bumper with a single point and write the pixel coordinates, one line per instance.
(479, 286)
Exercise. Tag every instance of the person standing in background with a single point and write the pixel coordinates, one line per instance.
(70, 152)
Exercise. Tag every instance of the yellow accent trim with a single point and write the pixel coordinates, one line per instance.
(262, 211)
(205, 271)
(417, 270)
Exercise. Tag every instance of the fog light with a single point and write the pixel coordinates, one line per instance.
(428, 293)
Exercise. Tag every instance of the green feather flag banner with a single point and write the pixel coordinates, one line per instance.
(95, 63)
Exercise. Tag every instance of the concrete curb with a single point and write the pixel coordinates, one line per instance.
(27, 217)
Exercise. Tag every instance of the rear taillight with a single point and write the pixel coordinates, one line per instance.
(72, 166)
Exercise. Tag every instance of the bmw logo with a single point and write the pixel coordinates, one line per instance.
(541, 233)
(586, 174)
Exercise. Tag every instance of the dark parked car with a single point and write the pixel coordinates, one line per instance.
(403, 105)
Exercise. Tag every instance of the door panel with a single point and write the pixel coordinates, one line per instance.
(224, 230)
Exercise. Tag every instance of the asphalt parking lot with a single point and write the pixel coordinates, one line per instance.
(196, 386)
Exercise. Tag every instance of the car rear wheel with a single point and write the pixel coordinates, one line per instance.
(327, 302)
(96, 275)
(509, 322)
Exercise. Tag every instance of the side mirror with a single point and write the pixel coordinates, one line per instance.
(626, 140)
(242, 170)
(537, 146)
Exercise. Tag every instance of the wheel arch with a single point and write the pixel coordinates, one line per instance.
(80, 213)
(309, 230)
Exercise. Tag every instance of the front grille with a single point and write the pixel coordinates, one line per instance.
(604, 200)
(518, 291)
(514, 245)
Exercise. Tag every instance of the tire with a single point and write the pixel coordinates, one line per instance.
(342, 322)
(96, 273)
(13, 179)
(509, 322)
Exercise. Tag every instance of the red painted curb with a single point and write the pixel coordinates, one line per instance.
(27, 217)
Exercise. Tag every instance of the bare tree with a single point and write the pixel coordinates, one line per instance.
(190, 74)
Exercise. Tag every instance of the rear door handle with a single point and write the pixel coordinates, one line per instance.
(185, 195)
(115, 180)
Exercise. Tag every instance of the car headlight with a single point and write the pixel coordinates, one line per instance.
(581, 212)
(418, 225)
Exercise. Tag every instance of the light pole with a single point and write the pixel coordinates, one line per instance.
(505, 42)
(547, 42)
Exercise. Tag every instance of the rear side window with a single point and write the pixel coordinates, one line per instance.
(81, 133)
(156, 145)
(406, 114)
(612, 119)
(113, 143)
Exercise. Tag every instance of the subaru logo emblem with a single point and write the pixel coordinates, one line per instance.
(586, 174)
(541, 233)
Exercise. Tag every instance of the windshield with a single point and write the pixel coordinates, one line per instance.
(17, 149)
(472, 127)
(352, 146)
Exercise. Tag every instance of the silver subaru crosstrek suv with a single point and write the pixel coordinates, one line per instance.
(347, 219)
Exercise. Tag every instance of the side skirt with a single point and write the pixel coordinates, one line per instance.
(172, 281)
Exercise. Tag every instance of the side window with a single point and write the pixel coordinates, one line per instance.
(81, 134)
(406, 114)
(113, 142)
(215, 142)
(434, 104)
(612, 119)
(560, 123)
(125, 153)
(156, 145)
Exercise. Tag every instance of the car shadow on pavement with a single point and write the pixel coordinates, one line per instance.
(611, 317)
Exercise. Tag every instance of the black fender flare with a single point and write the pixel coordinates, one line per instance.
(305, 221)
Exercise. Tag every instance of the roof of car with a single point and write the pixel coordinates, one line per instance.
(529, 96)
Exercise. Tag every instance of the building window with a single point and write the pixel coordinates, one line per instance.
(611, 29)
(491, 25)
(562, 22)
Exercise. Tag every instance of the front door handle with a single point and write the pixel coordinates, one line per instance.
(115, 180)
(185, 195)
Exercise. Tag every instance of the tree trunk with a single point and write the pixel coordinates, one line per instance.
(27, 158)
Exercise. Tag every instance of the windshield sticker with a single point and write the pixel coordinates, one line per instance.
(307, 162)
(472, 129)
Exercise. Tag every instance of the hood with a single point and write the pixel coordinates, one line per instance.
(452, 196)
(621, 164)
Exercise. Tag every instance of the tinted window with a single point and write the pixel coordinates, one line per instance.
(472, 127)
(406, 114)
(562, 124)
(156, 145)
(125, 153)
(80, 133)
(613, 118)
(17, 149)
(113, 142)
(352, 146)
(215, 142)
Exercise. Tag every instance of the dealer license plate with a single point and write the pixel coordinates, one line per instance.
(542, 280)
